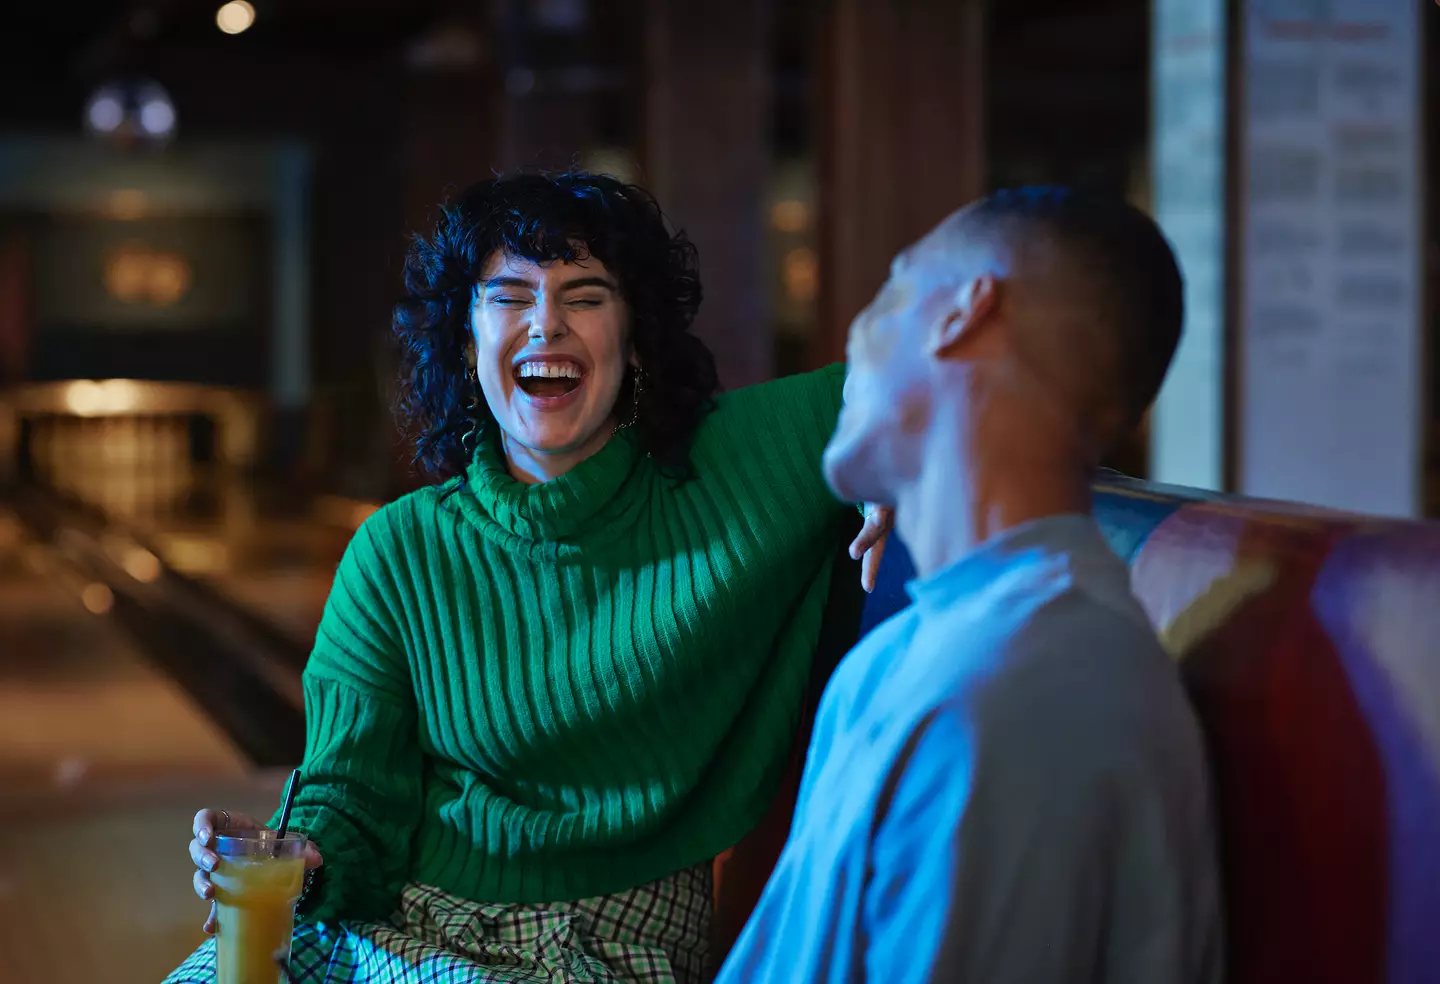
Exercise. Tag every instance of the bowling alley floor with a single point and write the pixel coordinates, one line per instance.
(103, 762)
(268, 550)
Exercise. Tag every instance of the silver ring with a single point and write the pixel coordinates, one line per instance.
(226, 815)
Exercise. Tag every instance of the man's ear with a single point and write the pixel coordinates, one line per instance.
(975, 305)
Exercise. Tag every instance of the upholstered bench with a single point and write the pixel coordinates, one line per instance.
(1310, 643)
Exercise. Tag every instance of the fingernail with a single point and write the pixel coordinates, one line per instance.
(204, 835)
(207, 861)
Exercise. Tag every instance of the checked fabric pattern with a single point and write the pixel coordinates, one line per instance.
(654, 934)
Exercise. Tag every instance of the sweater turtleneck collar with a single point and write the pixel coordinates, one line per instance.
(594, 492)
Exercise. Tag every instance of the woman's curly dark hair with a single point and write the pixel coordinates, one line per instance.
(548, 217)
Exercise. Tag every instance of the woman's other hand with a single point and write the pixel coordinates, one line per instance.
(207, 823)
(869, 546)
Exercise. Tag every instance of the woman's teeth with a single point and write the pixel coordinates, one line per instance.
(549, 370)
(548, 379)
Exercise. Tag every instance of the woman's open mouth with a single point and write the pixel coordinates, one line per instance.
(548, 380)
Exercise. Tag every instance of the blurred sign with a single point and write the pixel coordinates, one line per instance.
(1331, 400)
(1188, 70)
(177, 273)
(137, 274)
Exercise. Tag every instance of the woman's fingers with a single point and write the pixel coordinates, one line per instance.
(207, 822)
(313, 858)
(878, 521)
(870, 544)
(204, 858)
(864, 540)
(870, 565)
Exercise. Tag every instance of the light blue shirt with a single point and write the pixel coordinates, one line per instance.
(1005, 784)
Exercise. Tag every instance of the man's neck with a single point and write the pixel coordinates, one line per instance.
(964, 498)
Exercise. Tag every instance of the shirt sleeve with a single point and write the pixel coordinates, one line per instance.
(361, 776)
(1011, 860)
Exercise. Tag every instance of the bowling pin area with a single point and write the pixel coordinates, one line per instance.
(140, 468)
(156, 605)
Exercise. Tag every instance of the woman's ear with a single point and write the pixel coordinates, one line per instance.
(975, 305)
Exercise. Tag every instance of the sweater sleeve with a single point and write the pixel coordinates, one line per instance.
(361, 790)
(781, 428)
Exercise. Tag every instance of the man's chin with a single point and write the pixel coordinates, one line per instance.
(849, 476)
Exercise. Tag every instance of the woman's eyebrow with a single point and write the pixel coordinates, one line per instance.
(589, 282)
(575, 284)
(509, 282)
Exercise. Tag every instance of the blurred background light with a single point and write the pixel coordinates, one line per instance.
(131, 111)
(235, 17)
(97, 598)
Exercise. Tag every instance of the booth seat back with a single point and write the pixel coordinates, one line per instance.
(1309, 642)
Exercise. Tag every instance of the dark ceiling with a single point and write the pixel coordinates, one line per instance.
(1054, 66)
(61, 35)
(71, 37)
(87, 36)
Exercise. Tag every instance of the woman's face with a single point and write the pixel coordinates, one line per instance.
(551, 347)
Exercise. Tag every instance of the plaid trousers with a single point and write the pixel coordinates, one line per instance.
(654, 934)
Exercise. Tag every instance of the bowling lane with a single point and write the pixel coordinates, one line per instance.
(263, 550)
(271, 550)
(111, 738)
(104, 759)
(96, 885)
(79, 704)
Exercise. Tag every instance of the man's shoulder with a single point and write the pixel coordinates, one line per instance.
(1079, 682)
(856, 678)
(1046, 709)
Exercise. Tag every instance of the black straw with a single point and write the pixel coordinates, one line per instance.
(291, 788)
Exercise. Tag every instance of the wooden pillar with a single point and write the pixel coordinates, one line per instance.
(706, 158)
(901, 140)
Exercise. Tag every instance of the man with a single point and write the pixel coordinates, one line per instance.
(1005, 782)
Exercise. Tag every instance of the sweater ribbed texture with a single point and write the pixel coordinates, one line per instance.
(551, 692)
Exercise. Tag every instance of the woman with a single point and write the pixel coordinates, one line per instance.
(549, 690)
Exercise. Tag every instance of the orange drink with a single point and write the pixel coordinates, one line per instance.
(257, 884)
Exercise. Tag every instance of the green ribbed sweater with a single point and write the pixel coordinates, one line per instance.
(550, 692)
